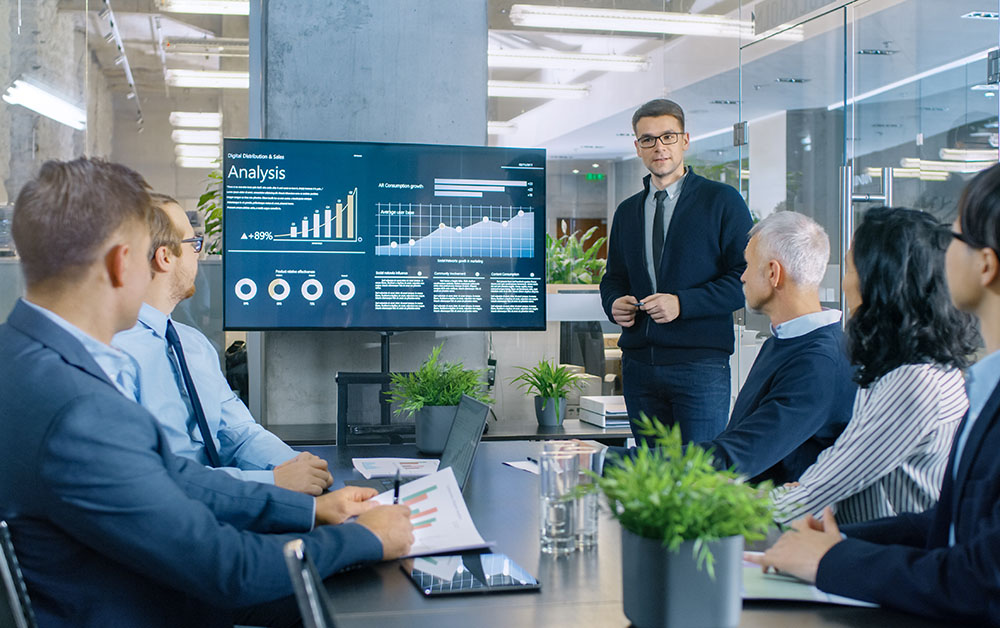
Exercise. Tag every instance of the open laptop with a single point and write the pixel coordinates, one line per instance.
(459, 450)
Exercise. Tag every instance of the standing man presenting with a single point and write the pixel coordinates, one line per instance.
(225, 434)
(675, 258)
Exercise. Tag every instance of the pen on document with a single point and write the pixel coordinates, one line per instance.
(530, 459)
(395, 488)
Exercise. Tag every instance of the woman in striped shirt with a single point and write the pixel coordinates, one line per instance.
(908, 343)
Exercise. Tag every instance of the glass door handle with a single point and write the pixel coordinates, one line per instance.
(847, 200)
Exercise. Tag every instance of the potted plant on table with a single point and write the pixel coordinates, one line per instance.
(431, 395)
(550, 384)
(683, 525)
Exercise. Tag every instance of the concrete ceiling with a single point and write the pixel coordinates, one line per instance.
(702, 73)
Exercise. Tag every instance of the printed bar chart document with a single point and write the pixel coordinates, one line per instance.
(441, 520)
(387, 467)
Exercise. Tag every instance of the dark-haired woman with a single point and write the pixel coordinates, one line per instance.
(908, 343)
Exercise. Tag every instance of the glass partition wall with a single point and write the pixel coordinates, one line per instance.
(867, 103)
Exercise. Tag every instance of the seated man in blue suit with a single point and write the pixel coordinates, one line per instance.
(110, 526)
(945, 561)
(239, 445)
(799, 394)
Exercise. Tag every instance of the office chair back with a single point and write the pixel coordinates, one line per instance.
(314, 604)
(15, 611)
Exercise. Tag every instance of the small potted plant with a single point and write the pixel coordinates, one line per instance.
(683, 525)
(550, 384)
(431, 395)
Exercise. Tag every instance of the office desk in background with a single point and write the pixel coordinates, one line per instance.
(582, 590)
(526, 428)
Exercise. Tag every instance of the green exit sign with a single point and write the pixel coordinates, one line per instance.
(595, 176)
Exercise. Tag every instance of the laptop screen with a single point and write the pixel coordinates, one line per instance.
(463, 439)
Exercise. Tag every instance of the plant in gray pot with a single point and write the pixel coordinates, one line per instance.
(683, 525)
(550, 385)
(431, 395)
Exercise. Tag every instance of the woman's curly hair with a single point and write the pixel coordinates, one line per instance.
(906, 315)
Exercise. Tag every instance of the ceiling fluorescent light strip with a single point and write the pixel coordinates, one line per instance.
(979, 56)
(46, 103)
(658, 22)
(114, 36)
(208, 79)
(555, 60)
(500, 128)
(523, 89)
(969, 155)
(196, 119)
(192, 136)
(197, 162)
(910, 173)
(203, 151)
(210, 7)
(945, 166)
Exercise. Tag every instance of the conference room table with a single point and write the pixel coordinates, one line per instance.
(583, 589)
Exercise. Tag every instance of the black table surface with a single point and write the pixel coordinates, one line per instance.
(583, 589)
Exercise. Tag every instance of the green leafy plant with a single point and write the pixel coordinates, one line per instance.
(569, 260)
(672, 492)
(548, 381)
(210, 206)
(436, 383)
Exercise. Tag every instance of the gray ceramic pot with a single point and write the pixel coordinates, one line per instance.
(433, 424)
(663, 589)
(546, 410)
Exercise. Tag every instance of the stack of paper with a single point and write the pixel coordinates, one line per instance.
(387, 467)
(604, 411)
(441, 520)
(758, 585)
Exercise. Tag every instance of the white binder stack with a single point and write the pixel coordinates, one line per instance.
(604, 410)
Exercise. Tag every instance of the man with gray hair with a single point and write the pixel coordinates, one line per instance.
(799, 394)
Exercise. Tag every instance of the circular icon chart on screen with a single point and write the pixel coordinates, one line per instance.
(246, 289)
(344, 289)
(312, 289)
(279, 289)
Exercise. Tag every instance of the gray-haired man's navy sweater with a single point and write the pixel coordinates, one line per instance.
(701, 263)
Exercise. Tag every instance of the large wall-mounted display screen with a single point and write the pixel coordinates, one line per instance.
(337, 235)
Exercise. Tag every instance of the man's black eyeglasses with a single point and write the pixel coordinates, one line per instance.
(196, 242)
(668, 138)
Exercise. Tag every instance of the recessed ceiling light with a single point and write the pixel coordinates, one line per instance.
(723, 102)
(190, 136)
(576, 171)
(878, 52)
(783, 79)
(595, 165)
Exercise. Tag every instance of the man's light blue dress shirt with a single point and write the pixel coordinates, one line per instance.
(119, 366)
(982, 378)
(802, 325)
(246, 449)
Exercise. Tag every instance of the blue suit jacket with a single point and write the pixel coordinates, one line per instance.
(111, 528)
(905, 562)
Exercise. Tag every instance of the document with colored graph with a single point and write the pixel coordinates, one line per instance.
(441, 521)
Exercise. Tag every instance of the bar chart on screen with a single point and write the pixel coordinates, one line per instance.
(440, 518)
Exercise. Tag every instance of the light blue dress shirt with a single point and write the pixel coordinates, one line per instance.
(120, 368)
(802, 325)
(980, 382)
(247, 450)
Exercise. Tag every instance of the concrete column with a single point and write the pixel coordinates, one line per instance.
(365, 70)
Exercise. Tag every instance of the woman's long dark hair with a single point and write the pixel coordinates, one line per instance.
(906, 315)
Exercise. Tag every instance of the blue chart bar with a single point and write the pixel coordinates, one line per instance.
(411, 229)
